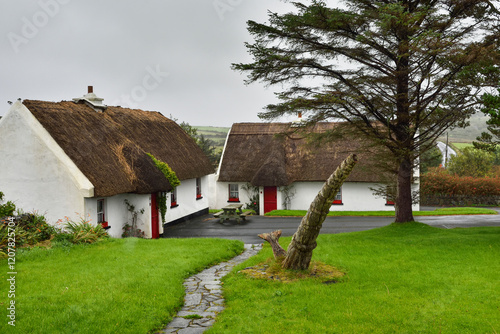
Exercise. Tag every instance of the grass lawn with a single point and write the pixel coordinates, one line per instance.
(437, 212)
(116, 286)
(409, 278)
(461, 146)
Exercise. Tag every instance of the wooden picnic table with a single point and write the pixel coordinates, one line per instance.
(231, 211)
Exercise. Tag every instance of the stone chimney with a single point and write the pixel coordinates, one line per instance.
(92, 100)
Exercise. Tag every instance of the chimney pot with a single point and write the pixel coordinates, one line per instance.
(91, 89)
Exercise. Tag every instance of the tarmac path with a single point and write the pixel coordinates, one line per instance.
(247, 231)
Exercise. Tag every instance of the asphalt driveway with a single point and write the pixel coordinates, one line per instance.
(209, 227)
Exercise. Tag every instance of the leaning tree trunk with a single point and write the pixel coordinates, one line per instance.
(303, 242)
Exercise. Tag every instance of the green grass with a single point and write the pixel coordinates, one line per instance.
(461, 146)
(116, 286)
(407, 278)
(437, 212)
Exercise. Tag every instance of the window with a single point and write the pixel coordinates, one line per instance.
(198, 188)
(338, 197)
(390, 196)
(233, 193)
(101, 216)
(173, 198)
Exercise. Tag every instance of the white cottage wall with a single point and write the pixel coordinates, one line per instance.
(212, 193)
(187, 203)
(35, 173)
(356, 196)
(117, 214)
(221, 194)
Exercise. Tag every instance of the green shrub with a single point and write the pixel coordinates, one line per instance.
(83, 232)
(130, 231)
(430, 158)
(37, 227)
(438, 187)
(471, 162)
(254, 204)
(27, 230)
(6, 209)
(8, 235)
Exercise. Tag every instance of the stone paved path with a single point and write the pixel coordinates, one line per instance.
(204, 296)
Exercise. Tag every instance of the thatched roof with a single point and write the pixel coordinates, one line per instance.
(256, 153)
(110, 147)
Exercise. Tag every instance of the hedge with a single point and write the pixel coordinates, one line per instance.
(440, 188)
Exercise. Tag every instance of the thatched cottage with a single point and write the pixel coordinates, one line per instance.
(81, 158)
(287, 172)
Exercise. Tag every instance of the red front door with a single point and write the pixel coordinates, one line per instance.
(270, 199)
(155, 229)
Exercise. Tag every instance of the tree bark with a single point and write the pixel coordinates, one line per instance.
(303, 242)
(273, 239)
(404, 210)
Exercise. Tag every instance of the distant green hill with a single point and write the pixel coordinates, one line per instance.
(216, 134)
(469, 134)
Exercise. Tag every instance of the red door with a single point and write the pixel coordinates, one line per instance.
(155, 229)
(270, 199)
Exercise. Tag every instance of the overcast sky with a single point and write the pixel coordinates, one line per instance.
(160, 55)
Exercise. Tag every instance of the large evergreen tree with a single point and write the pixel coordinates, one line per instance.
(490, 141)
(398, 72)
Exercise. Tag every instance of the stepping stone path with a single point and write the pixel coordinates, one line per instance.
(204, 296)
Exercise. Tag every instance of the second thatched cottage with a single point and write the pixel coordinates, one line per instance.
(275, 162)
(81, 158)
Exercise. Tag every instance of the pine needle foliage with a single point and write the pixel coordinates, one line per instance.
(398, 73)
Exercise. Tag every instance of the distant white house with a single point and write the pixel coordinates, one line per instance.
(81, 158)
(287, 172)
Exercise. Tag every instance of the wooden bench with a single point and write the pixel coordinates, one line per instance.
(245, 214)
(231, 211)
(218, 214)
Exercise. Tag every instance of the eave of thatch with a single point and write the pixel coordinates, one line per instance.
(257, 153)
(110, 147)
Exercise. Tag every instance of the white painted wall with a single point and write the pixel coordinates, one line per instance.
(35, 173)
(220, 190)
(187, 201)
(117, 214)
(356, 196)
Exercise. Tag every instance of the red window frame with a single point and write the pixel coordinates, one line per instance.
(198, 188)
(173, 198)
(101, 214)
(338, 198)
(233, 192)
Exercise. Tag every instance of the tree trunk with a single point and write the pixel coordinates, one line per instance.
(403, 130)
(273, 239)
(303, 242)
(404, 210)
